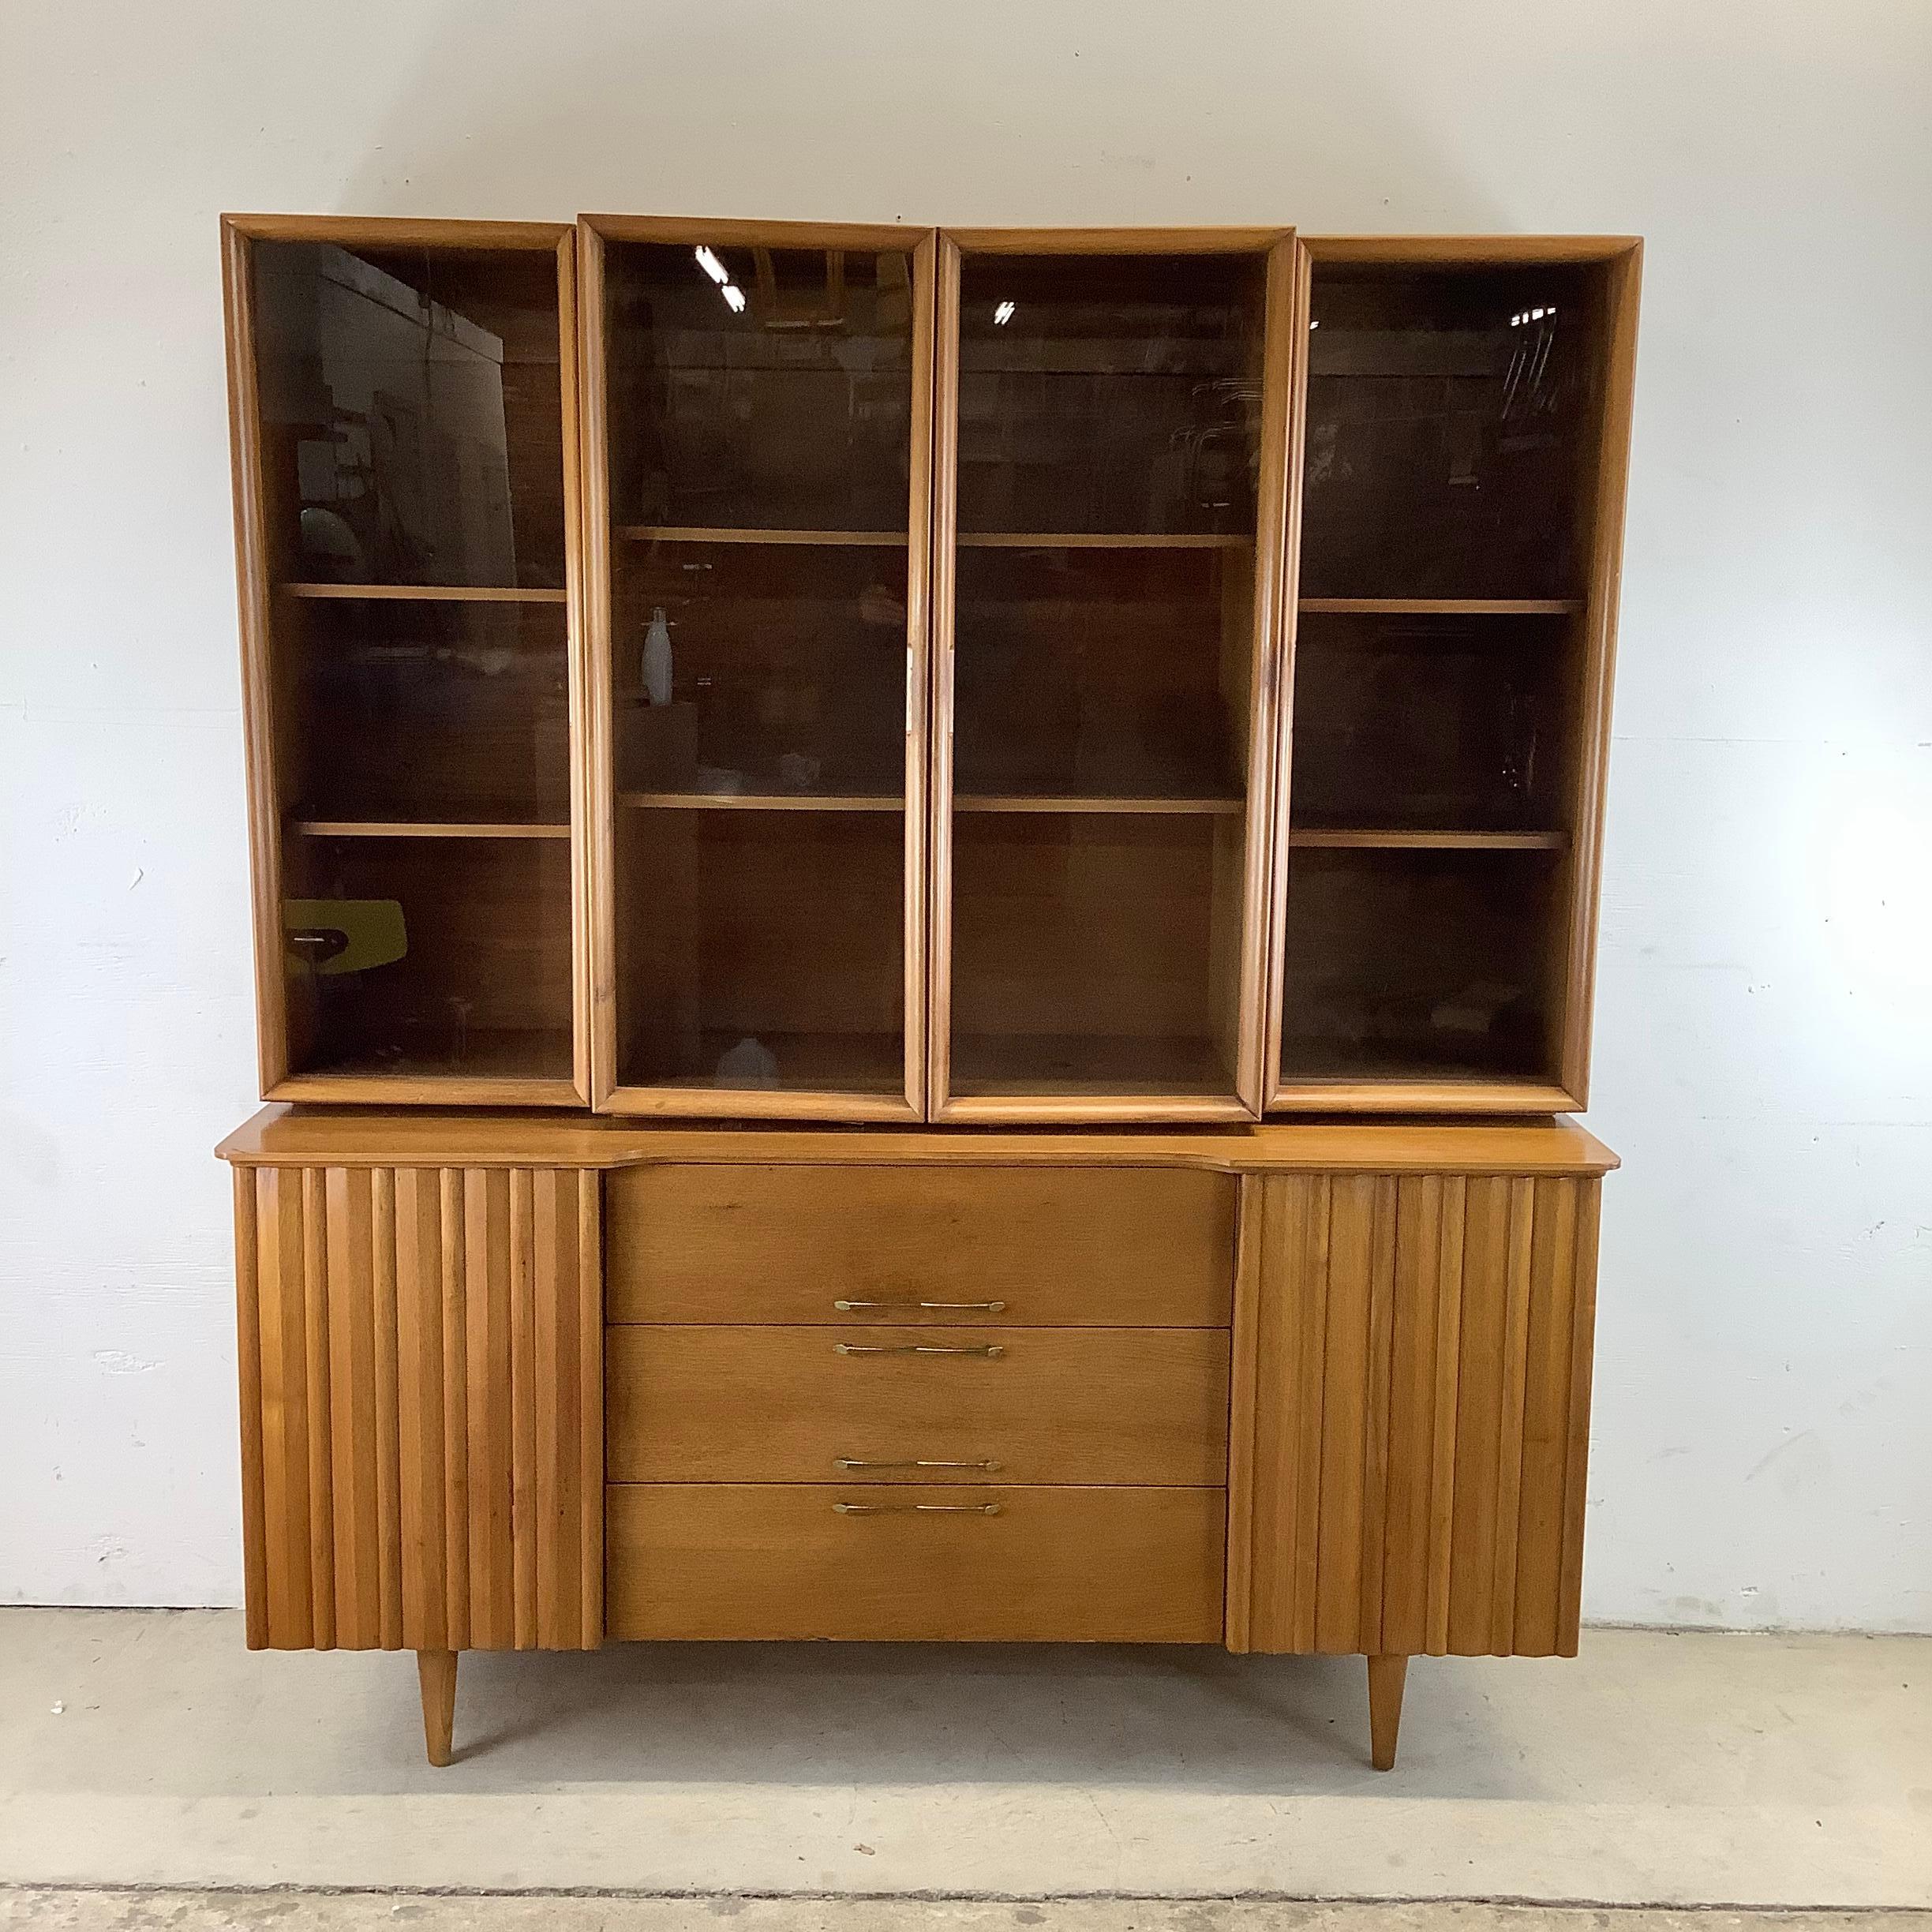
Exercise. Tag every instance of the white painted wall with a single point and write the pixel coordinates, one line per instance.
(1763, 1451)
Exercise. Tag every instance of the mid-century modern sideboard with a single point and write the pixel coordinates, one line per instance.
(924, 904)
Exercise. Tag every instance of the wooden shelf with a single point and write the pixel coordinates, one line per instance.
(426, 828)
(423, 594)
(674, 533)
(1426, 1090)
(762, 801)
(1024, 802)
(968, 540)
(856, 1063)
(1336, 839)
(1076, 539)
(1047, 1071)
(1442, 606)
(532, 1066)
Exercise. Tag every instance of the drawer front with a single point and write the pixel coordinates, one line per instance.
(1095, 1247)
(785, 1560)
(1136, 1406)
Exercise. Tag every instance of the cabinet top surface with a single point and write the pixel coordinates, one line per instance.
(291, 1136)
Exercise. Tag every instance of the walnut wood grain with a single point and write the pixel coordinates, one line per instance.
(1411, 1395)
(730, 1560)
(1084, 1246)
(1387, 1675)
(370, 1137)
(1145, 1406)
(435, 1672)
(421, 1353)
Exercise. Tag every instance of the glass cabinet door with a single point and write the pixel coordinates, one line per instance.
(759, 496)
(401, 391)
(1460, 494)
(1108, 524)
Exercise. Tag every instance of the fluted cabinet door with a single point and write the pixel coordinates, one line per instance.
(1412, 1368)
(421, 1402)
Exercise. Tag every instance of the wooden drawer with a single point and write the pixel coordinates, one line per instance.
(784, 1561)
(1144, 1406)
(1101, 1247)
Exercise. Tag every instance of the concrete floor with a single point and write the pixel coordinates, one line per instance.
(216, 1911)
(150, 1748)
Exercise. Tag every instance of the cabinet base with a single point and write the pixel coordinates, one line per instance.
(1299, 1389)
(436, 1671)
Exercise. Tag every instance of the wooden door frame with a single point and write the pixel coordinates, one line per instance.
(607, 1095)
(257, 592)
(1622, 256)
(1281, 358)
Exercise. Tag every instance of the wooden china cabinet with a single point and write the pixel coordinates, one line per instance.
(924, 908)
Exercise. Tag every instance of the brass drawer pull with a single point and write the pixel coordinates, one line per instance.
(991, 1351)
(971, 1307)
(855, 1462)
(917, 1509)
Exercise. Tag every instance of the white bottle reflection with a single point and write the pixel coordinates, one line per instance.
(656, 666)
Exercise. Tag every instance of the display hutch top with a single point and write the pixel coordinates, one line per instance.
(766, 671)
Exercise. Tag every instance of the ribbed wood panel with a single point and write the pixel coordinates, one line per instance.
(1411, 1414)
(421, 1371)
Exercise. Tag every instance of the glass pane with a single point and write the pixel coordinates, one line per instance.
(1430, 722)
(1448, 413)
(761, 431)
(787, 669)
(1451, 432)
(412, 419)
(1109, 445)
(1110, 393)
(1108, 673)
(428, 955)
(762, 948)
(1088, 951)
(411, 432)
(1420, 964)
(760, 388)
(425, 711)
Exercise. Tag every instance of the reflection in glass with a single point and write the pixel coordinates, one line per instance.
(790, 409)
(1089, 953)
(1449, 440)
(1108, 458)
(1446, 419)
(762, 950)
(428, 955)
(1414, 963)
(785, 667)
(1429, 722)
(411, 414)
(1120, 394)
(1111, 673)
(406, 710)
(760, 406)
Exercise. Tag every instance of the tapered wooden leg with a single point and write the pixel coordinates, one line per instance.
(436, 1670)
(1385, 1677)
